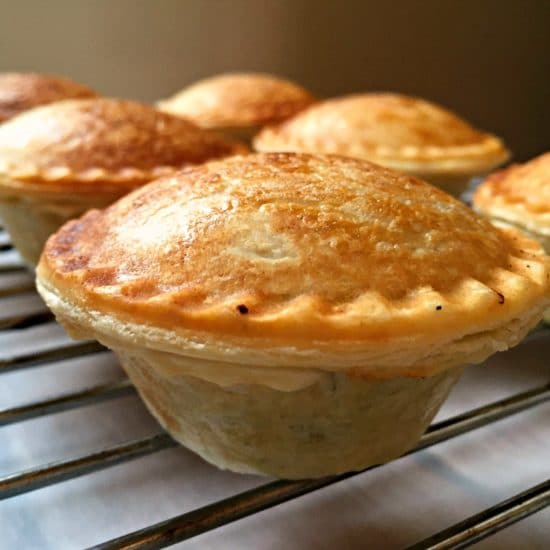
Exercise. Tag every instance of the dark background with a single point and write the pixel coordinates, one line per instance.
(488, 60)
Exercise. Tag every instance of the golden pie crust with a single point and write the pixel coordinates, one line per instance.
(404, 133)
(23, 91)
(519, 196)
(238, 100)
(100, 143)
(297, 261)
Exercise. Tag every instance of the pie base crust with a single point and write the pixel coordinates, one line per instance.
(335, 425)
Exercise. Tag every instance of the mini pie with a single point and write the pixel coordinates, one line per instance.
(22, 91)
(519, 196)
(400, 132)
(293, 315)
(59, 160)
(238, 104)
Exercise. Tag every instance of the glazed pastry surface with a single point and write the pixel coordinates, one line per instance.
(319, 259)
(401, 132)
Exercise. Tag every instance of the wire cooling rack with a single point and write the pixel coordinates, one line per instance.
(21, 310)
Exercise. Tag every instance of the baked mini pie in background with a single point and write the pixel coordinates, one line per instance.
(59, 160)
(519, 196)
(400, 132)
(238, 104)
(294, 315)
(22, 91)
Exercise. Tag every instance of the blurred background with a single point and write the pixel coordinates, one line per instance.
(488, 60)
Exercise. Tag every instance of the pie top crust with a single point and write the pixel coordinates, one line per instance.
(238, 100)
(22, 91)
(519, 195)
(92, 144)
(397, 131)
(294, 252)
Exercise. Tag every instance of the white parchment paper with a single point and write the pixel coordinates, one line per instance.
(390, 507)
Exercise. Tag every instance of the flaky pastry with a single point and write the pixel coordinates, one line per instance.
(397, 131)
(238, 104)
(290, 314)
(23, 91)
(60, 160)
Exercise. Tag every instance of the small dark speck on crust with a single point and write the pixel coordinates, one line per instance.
(242, 309)
(439, 308)
(527, 266)
(501, 299)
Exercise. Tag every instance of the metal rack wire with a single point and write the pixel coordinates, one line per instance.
(15, 281)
